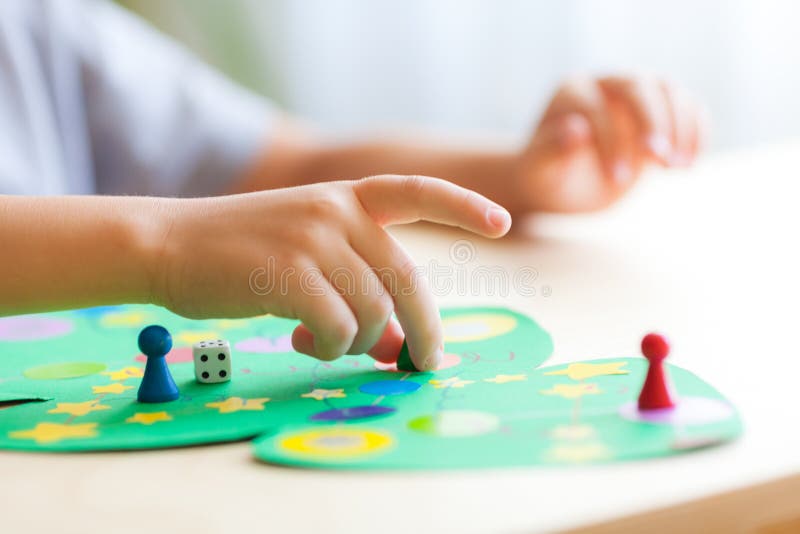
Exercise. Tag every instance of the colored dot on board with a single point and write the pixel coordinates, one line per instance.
(335, 443)
(31, 328)
(97, 311)
(353, 413)
(389, 387)
(455, 423)
(265, 344)
(476, 327)
(58, 371)
(179, 355)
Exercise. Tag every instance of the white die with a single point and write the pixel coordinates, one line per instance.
(212, 361)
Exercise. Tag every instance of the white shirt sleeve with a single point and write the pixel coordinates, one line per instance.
(160, 122)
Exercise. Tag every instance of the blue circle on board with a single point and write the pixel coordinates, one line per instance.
(389, 387)
(350, 414)
(97, 311)
(155, 341)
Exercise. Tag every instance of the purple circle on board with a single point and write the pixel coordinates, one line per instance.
(389, 387)
(31, 328)
(265, 344)
(349, 414)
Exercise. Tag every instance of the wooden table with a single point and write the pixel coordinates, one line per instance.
(707, 256)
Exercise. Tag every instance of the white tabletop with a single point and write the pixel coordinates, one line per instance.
(708, 257)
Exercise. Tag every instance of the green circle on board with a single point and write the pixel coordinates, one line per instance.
(57, 371)
(455, 423)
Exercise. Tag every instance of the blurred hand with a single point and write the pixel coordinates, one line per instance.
(315, 253)
(597, 135)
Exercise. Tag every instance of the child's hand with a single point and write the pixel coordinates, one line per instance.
(596, 136)
(312, 253)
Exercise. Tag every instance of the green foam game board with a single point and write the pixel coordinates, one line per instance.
(68, 382)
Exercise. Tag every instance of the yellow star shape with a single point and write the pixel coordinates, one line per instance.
(502, 379)
(230, 323)
(123, 319)
(125, 373)
(581, 371)
(572, 432)
(53, 432)
(572, 391)
(114, 387)
(79, 408)
(452, 382)
(148, 418)
(237, 404)
(322, 394)
(579, 452)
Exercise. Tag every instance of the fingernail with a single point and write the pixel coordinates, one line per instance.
(660, 147)
(498, 217)
(621, 172)
(432, 362)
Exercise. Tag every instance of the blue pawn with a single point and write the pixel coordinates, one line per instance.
(157, 383)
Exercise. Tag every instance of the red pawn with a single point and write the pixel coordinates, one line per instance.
(655, 391)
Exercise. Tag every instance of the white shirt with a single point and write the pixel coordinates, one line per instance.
(92, 100)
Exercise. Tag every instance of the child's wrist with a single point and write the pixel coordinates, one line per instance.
(149, 234)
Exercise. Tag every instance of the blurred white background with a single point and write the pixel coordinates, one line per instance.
(355, 65)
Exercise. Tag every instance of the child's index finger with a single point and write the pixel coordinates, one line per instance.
(392, 199)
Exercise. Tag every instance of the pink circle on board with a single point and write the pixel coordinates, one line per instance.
(265, 344)
(31, 328)
(688, 411)
(179, 355)
(449, 360)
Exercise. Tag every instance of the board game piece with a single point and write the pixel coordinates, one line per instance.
(404, 362)
(157, 383)
(655, 394)
(212, 361)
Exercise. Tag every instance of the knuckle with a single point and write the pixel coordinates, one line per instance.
(341, 334)
(406, 269)
(301, 234)
(372, 319)
(291, 259)
(329, 207)
(468, 197)
(378, 310)
(413, 186)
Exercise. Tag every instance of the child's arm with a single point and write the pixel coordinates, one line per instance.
(589, 148)
(186, 131)
(317, 253)
(76, 251)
